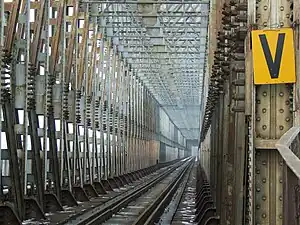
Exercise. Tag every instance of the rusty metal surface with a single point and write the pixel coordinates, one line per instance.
(256, 182)
(225, 113)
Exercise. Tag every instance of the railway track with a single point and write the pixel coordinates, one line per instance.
(142, 205)
(182, 208)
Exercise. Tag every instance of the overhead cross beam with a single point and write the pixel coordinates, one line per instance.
(165, 44)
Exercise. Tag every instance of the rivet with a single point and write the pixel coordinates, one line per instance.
(281, 127)
(258, 16)
(280, 216)
(281, 8)
(265, 24)
(280, 198)
(257, 171)
(257, 189)
(257, 118)
(257, 206)
(264, 127)
(281, 24)
(263, 215)
(280, 162)
(265, 7)
(258, 101)
(287, 16)
(281, 110)
(265, 93)
(287, 102)
(281, 94)
(264, 198)
(280, 180)
(287, 119)
(264, 110)
(264, 162)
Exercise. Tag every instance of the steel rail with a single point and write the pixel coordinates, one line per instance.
(155, 210)
(169, 214)
(103, 212)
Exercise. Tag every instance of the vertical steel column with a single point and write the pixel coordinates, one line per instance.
(112, 126)
(119, 111)
(62, 80)
(154, 123)
(25, 118)
(8, 61)
(273, 119)
(238, 70)
(98, 126)
(117, 114)
(89, 79)
(213, 154)
(80, 99)
(220, 154)
(134, 107)
(103, 54)
(126, 118)
(144, 156)
(225, 196)
(47, 71)
(105, 135)
(295, 16)
(93, 84)
(145, 126)
(84, 83)
(2, 25)
(125, 96)
(290, 181)
(123, 141)
(103, 113)
(33, 109)
(130, 120)
(139, 140)
(77, 175)
(136, 123)
(54, 159)
(108, 107)
(250, 93)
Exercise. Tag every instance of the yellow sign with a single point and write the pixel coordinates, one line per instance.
(273, 56)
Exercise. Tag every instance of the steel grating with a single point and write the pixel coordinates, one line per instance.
(165, 42)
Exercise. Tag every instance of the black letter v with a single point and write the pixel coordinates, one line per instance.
(273, 65)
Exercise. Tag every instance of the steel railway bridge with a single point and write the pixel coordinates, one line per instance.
(150, 112)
